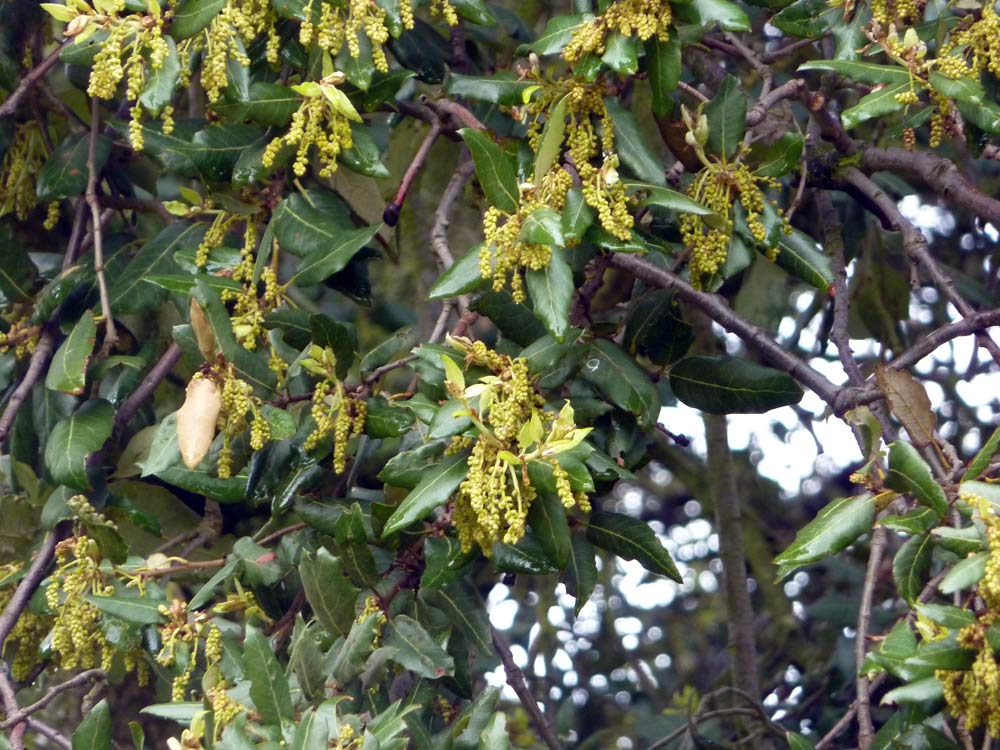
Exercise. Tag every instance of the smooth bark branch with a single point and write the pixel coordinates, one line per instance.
(732, 551)
(155, 376)
(76, 680)
(442, 218)
(866, 730)
(11, 103)
(515, 678)
(916, 247)
(716, 308)
(94, 201)
(36, 368)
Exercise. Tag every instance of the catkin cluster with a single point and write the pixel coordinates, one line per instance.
(640, 18)
(315, 123)
(29, 630)
(183, 637)
(492, 503)
(344, 23)
(718, 186)
(77, 638)
(974, 693)
(240, 408)
(334, 411)
(20, 169)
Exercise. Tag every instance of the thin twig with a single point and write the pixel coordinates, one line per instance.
(159, 371)
(442, 218)
(110, 335)
(53, 734)
(11, 102)
(36, 367)
(517, 682)
(845, 721)
(719, 311)
(866, 731)
(720, 713)
(51, 694)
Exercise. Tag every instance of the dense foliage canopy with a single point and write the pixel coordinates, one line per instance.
(366, 368)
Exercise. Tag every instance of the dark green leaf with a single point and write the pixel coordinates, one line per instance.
(656, 330)
(581, 574)
(416, 650)
(966, 90)
(551, 290)
(550, 144)
(577, 216)
(633, 146)
(706, 13)
(799, 256)
(465, 609)
(835, 528)
(621, 54)
(127, 292)
(193, 16)
(730, 385)
(943, 614)
(232, 490)
(526, 557)
(494, 170)
(73, 440)
(331, 255)
(965, 574)
(160, 85)
(548, 521)
(435, 488)
(68, 370)
(363, 156)
(137, 610)
(727, 119)
(475, 11)
(65, 173)
(558, 32)
(94, 732)
(312, 732)
(18, 271)
(501, 88)
(631, 539)
(386, 420)
(424, 51)
(622, 381)
(463, 277)
(329, 592)
(656, 195)
(911, 566)
(269, 104)
(451, 419)
(662, 64)
(406, 469)
(879, 102)
(982, 459)
(961, 542)
(445, 562)
(781, 157)
(268, 684)
(908, 472)
(515, 321)
(865, 72)
(542, 227)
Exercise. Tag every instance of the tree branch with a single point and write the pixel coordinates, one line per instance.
(716, 308)
(36, 368)
(515, 678)
(11, 103)
(94, 201)
(128, 410)
(51, 694)
(866, 731)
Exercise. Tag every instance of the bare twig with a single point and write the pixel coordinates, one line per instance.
(691, 91)
(789, 90)
(11, 103)
(51, 694)
(391, 214)
(53, 734)
(515, 678)
(36, 367)
(866, 731)
(442, 218)
(94, 201)
(719, 311)
(128, 410)
(845, 721)
(720, 713)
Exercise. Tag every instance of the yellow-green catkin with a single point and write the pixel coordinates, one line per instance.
(639, 18)
(718, 186)
(315, 123)
(974, 694)
(20, 169)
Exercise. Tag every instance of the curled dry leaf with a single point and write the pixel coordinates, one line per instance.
(196, 420)
(909, 402)
(203, 333)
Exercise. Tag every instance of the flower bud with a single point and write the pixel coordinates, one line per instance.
(196, 420)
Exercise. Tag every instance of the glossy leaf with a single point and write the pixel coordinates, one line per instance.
(662, 64)
(552, 290)
(581, 573)
(65, 173)
(633, 146)
(622, 381)
(192, 16)
(74, 439)
(799, 256)
(965, 574)
(542, 227)
(982, 459)
(835, 528)
(464, 276)
(328, 591)
(631, 539)
(876, 104)
(95, 731)
(437, 485)
(864, 72)
(911, 566)
(730, 385)
(656, 330)
(68, 370)
(727, 115)
(461, 603)
(908, 472)
(416, 650)
(494, 170)
(268, 684)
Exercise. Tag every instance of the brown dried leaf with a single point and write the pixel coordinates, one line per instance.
(196, 420)
(202, 331)
(909, 402)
